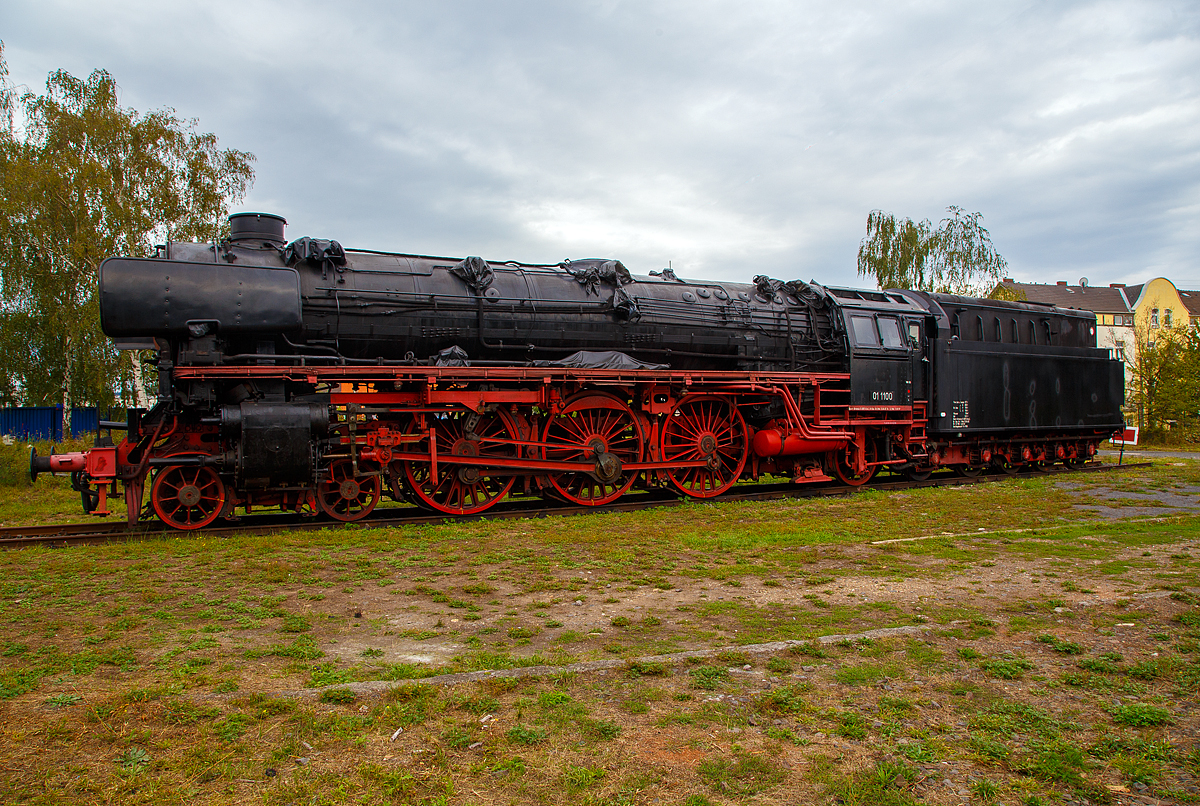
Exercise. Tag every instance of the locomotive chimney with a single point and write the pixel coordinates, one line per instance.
(257, 227)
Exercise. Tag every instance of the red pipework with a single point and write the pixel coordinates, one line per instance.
(771, 442)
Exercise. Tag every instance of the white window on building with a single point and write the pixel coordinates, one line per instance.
(1119, 350)
(1154, 318)
(1167, 318)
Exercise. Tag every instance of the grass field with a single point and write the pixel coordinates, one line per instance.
(1054, 655)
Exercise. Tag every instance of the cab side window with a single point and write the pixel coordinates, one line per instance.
(889, 332)
(865, 334)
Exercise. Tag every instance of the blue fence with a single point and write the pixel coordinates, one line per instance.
(45, 422)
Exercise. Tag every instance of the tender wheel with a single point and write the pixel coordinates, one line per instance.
(600, 429)
(705, 428)
(344, 497)
(844, 461)
(968, 471)
(1005, 466)
(915, 474)
(187, 497)
(463, 489)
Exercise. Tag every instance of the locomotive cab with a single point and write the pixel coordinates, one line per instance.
(886, 335)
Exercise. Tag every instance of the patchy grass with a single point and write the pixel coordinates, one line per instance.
(1056, 661)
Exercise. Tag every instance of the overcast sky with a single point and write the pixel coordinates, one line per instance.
(731, 139)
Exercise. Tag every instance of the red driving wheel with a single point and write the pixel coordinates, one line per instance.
(463, 489)
(601, 430)
(705, 428)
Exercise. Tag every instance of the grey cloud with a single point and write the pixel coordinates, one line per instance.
(731, 140)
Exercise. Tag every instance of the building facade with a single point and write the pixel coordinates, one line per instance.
(1128, 318)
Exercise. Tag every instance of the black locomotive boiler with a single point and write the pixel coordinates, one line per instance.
(314, 378)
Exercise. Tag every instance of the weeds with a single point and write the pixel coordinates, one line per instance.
(741, 776)
(1007, 668)
(1139, 715)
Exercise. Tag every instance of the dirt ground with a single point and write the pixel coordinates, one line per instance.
(1028, 668)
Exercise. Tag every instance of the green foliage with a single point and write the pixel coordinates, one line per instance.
(181, 712)
(645, 669)
(1060, 645)
(63, 700)
(1007, 668)
(956, 257)
(785, 700)
(338, 696)
(577, 778)
(709, 678)
(133, 760)
(864, 673)
(1100, 665)
(294, 622)
(1152, 668)
(745, 774)
(525, 734)
(812, 649)
(598, 728)
(303, 648)
(231, 728)
(1010, 718)
(1058, 761)
(852, 726)
(1166, 382)
(985, 790)
(779, 666)
(918, 752)
(889, 783)
(1139, 715)
(81, 179)
(327, 674)
(552, 699)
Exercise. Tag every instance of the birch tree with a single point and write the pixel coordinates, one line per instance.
(83, 178)
(956, 257)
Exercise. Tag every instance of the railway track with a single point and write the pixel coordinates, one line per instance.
(100, 532)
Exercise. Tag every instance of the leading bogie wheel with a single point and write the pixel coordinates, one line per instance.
(601, 430)
(346, 497)
(186, 496)
(710, 429)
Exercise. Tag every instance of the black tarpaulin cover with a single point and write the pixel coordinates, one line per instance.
(608, 359)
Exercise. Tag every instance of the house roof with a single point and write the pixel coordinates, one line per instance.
(1106, 300)
(1192, 300)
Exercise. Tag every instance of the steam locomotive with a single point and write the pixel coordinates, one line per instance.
(317, 379)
